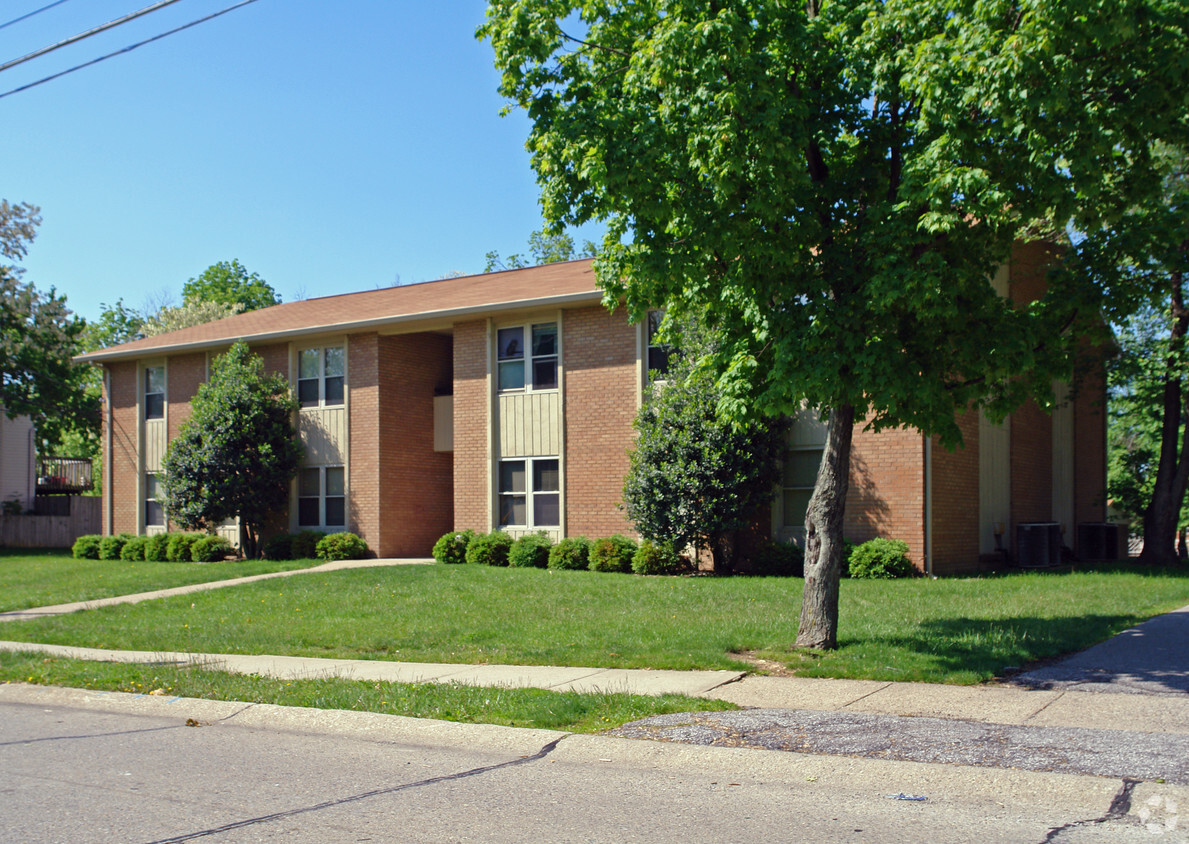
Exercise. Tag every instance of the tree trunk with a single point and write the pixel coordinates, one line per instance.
(1162, 518)
(823, 535)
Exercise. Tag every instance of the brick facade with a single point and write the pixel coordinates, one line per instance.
(955, 501)
(121, 485)
(472, 428)
(887, 489)
(364, 423)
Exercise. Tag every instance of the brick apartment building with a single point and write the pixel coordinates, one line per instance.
(507, 399)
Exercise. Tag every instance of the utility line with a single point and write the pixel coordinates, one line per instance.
(75, 38)
(127, 49)
(31, 14)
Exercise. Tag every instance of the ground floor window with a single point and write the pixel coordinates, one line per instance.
(530, 492)
(800, 475)
(322, 497)
(154, 510)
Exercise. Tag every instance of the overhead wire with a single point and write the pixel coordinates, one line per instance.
(73, 39)
(128, 49)
(31, 14)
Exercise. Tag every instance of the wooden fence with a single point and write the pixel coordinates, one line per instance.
(86, 516)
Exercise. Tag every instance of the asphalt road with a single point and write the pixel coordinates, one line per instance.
(83, 766)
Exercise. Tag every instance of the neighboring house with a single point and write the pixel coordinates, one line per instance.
(507, 399)
(18, 461)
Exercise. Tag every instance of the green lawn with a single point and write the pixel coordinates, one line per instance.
(949, 630)
(31, 577)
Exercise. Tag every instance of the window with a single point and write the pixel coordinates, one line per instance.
(154, 392)
(534, 370)
(800, 474)
(322, 497)
(320, 376)
(530, 493)
(658, 353)
(154, 510)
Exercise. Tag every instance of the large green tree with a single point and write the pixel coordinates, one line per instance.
(230, 283)
(237, 453)
(833, 182)
(543, 248)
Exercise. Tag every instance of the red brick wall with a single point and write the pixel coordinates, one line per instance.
(472, 508)
(184, 373)
(120, 489)
(956, 502)
(363, 406)
(599, 350)
(887, 489)
(275, 357)
(416, 483)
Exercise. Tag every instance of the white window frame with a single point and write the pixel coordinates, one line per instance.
(322, 376)
(322, 497)
(528, 358)
(151, 480)
(530, 493)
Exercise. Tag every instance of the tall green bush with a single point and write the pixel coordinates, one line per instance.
(340, 546)
(881, 559)
(612, 553)
(573, 552)
(530, 551)
(86, 547)
(489, 549)
(451, 548)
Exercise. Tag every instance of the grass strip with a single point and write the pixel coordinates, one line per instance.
(510, 707)
(38, 578)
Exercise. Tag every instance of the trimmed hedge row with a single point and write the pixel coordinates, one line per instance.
(311, 544)
(162, 547)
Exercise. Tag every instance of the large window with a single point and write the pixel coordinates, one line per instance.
(320, 376)
(800, 474)
(154, 510)
(530, 493)
(321, 497)
(526, 357)
(154, 392)
(658, 353)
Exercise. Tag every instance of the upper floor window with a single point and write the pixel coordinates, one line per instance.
(530, 366)
(658, 353)
(320, 376)
(154, 392)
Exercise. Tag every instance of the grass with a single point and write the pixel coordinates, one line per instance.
(949, 631)
(33, 577)
(537, 708)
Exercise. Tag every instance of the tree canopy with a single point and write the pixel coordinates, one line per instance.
(237, 453)
(543, 248)
(832, 183)
(229, 283)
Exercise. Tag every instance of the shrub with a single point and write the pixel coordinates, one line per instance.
(209, 549)
(530, 551)
(340, 546)
(452, 547)
(279, 547)
(133, 549)
(573, 552)
(86, 547)
(111, 546)
(156, 547)
(180, 544)
(778, 559)
(881, 559)
(304, 545)
(489, 549)
(657, 558)
(612, 554)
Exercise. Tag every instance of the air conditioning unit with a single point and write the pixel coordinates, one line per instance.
(1098, 541)
(1038, 544)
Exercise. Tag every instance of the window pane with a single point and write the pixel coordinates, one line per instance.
(510, 343)
(546, 477)
(545, 339)
(309, 482)
(512, 476)
(151, 487)
(654, 325)
(796, 502)
(154, 513)
(545, 374)
(307, 393)
(334, 390)
(800, 468)
(308, 364)
(658, 361)
(336, 511)
(154, 379)
(154, 406)
(335, 361)
(335, 481)
(513, 510)
(546, 510)
(307, 512)
(512, 375)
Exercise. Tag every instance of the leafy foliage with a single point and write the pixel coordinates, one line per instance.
(572, 552)
(229, 283)
(210, 549)
(489, 549)
(653, 558)
(237, 453)
(191, 313)
(452, 547)
(111, 546)
(777, 559)
(880, 559)
(179, 546)
(278, 547)
(530, 551)
(304, 544)
(341, 546)
(543, 248)
(133, 550)
(156, 547)
(86, 547)
(612, 553)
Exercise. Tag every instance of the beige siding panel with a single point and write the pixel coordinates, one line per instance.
(155, 440)
(323, 432)
(807, 429)
(17, 463)
(443, 423)
(1063, 461)
(229, 530)
(530, 424)
(994, 482)
(554, 534)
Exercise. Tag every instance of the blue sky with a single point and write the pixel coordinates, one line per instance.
(329, 146)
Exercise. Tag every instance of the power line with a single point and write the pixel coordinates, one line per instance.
(94, 31)
(127, 49)
(31, 14)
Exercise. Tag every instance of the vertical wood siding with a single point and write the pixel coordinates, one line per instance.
(530, 424)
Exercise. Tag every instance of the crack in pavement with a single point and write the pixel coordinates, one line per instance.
(1120, 806)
